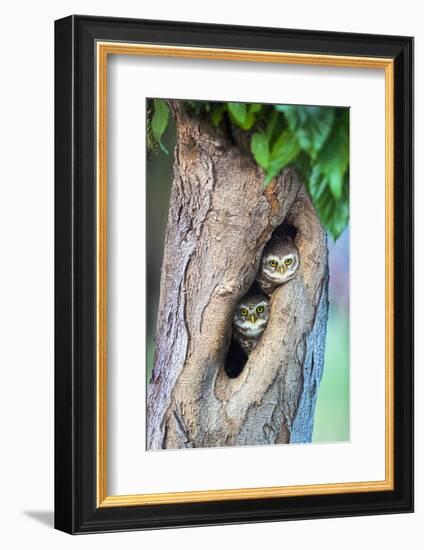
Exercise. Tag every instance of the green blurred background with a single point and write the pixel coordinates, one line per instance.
(332, 413)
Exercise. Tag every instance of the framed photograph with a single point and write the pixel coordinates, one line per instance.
(234, 274)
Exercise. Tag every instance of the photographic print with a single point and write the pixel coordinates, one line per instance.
(247, 274)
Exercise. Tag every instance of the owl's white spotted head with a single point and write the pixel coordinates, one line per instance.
(280, 261)
(251, 315)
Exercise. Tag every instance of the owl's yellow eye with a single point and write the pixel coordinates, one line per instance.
(260, 309)
(289, 261)
(243, 312)
(273, 263)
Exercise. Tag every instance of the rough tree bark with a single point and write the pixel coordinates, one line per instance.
(220, 219)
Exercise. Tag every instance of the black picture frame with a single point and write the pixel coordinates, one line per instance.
(76, 509)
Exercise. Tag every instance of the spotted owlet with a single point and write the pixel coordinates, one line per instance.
(279, 264)
(250, 320)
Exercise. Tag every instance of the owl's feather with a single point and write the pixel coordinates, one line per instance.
(250, 320)
(279, 263)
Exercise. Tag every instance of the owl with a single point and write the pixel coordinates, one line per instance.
(279, 263)
(250, 320)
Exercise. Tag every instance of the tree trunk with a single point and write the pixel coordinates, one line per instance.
(220, 219)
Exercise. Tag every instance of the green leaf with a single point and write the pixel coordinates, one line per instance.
(255, 108)
(317, 184)
(272, 122)
(333, 212)
(238, 112)
(284, 150)
(260, 149)
(268, 179)
(333, 159)
(243, 114)
(303, 164)
(160, 121)
(217, 114)
(311, 125)
(335, 216)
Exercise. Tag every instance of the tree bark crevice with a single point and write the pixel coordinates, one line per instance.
(220, 219)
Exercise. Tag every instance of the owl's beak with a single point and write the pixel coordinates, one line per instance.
(282, 269)
(252, 318)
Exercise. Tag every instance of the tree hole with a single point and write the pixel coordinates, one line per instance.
(236, 358)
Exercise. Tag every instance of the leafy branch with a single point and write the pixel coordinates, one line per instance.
(313, 139)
